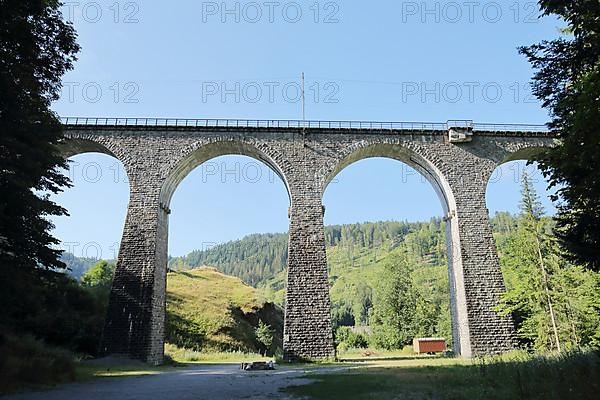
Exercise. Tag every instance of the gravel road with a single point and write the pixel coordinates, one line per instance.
(211, 382)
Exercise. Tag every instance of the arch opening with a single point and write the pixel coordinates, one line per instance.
(406, 156)
(213, 150)
(90, 237)
(504, 188)
(520, 209)
(99, 183)
(227, 235)
(388, 169)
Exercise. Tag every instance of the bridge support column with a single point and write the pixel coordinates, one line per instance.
(476, 281)
(135, 321)
(307, 330)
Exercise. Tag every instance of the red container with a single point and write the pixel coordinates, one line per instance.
(429, 345)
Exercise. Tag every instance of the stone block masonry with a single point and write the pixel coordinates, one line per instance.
(157, 159)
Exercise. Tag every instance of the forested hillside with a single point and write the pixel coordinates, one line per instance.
(252, 259)
(358, 255)
(259, 258)
(77, 266)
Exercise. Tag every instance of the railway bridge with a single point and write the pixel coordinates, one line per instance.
(457, 157)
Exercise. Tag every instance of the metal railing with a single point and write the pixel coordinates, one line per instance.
(257, 123)
(490, 127)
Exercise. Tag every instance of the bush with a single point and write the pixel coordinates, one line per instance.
(54, 308)
(346, 338)
(26, 362)
(385, 338)
(357, 341)
(341, 334)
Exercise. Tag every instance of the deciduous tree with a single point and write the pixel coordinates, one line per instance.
(264, 335)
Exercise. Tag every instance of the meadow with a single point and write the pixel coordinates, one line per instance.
(574, 375)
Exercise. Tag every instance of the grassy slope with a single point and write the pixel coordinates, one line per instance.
(348, 268)
(218, 311)
(343, 274)
(569, 376)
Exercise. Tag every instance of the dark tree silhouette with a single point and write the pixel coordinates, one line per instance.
(567, 81)
(36, 48)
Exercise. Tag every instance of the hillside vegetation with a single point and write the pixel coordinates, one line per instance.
(357, 256)
(209, 311)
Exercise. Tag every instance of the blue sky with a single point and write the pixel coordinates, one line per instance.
(382, 60)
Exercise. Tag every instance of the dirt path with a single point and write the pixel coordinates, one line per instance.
(211, 382)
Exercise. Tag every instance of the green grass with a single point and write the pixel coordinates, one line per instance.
(180, 355)
(208, 311)
(569, 376)
(371, 354)
(204, 297)
(86, 372)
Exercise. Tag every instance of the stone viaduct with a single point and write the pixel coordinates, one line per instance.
(458, 159)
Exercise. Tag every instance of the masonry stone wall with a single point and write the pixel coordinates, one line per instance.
(157, 159)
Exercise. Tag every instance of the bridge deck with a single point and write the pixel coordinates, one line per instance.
(432, 128)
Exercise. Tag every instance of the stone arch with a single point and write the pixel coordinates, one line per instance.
(411, 156)
(70, 147)
(142, 266)
(199, 153)
(106, 167)
(513, 152)
(525, 153)
(399, 152)
(500, 150)
(74, 146)
(192, 156)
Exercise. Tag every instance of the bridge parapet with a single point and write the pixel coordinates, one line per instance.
(333, 127)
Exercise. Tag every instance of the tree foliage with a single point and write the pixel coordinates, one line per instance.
(264, 335)
(567, 81)
(100, 275)
(36, 48)
(554, 303)
(56, 310)
(393, 317)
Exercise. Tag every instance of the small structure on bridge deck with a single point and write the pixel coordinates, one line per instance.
(429, 345)
(460, 131)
